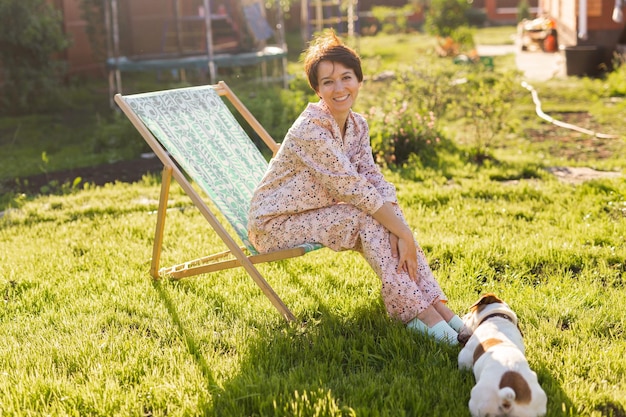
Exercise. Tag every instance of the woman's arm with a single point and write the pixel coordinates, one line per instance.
(402, 241)
(368, 168)
(315, 146)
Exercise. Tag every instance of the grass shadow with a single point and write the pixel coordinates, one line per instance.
(331, 364)
(192, 347)
(363, 364)
(559, 404)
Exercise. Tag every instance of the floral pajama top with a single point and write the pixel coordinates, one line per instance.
(322, 188)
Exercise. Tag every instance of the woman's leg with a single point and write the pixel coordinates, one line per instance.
(343, 227)
(449, 316)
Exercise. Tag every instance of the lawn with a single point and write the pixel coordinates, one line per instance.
(86, 331)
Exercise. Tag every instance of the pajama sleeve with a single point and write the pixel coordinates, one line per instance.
(368, 168)
(314, 144)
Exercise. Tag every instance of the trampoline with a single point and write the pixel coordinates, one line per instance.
(174, 35)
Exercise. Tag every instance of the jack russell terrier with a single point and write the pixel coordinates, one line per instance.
(494, 349)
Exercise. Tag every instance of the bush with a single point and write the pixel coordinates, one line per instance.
(476, 17)
(484, 105)
(406, 122)
(30, 34)
(444, 16)
(117, 137)
(393, 19)
(400, 132)
(616, 80)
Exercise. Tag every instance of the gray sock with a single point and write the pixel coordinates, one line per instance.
(440, 331)
(456, 323)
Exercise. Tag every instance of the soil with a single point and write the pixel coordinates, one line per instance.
(122, 171)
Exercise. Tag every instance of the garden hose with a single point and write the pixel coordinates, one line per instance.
(552, 120)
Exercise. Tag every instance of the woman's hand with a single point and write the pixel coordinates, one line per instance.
(401, 239)
(406, 253)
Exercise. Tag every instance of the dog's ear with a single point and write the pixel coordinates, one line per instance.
(489, 298)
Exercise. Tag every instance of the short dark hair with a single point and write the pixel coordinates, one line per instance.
(328, 47)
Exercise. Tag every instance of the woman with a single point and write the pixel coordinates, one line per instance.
(323, 186)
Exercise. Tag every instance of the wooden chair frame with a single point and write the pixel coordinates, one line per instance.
(236, 255)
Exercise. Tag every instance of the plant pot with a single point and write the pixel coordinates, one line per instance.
(582, 60)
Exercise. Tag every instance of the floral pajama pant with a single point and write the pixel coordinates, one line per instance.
(344, 227)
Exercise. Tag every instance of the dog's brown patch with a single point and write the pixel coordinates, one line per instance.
(484, 347)
(489, 298)
(517, 383)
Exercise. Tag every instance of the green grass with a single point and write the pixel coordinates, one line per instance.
(86, 331)
(496, 35)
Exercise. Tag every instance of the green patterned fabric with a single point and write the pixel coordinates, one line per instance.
(201, 134)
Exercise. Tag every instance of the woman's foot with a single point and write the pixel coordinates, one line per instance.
(440, 331)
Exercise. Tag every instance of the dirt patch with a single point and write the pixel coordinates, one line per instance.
(578, 175)
(576, 146)
(573, 145)
(122, 171)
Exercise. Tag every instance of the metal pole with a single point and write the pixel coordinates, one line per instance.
(107, 31)
(319, 15)
(304, 21)
(209, 40)
(282, 41)
(116, 44)
(179, 40)
(351, 19)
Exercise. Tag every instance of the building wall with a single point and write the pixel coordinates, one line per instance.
(79, 56)
(504, 11)
(146, 33)
(602, 31)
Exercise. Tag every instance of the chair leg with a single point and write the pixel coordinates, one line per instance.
(166, 180)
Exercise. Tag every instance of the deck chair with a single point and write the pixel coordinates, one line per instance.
(196, 136)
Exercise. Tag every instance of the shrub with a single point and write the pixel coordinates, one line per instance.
(476, 17)
(30, 34)
(393, 19)
(117, 137)
(484, 105)
(444, 16)
(398, 131)
(616, 80)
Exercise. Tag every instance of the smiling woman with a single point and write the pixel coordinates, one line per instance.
(323, 186)
(339, 89)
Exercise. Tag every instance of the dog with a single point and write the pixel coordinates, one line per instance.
(493, 347)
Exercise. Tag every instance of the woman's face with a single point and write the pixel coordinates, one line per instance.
(338, 86)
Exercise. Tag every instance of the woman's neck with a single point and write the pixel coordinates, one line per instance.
(342, 122)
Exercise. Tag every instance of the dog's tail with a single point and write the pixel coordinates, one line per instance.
(507, 398)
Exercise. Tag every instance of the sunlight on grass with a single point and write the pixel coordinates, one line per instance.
(496, 35)
(86, 331)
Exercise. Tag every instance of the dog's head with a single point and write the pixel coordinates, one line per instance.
(488, 305)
